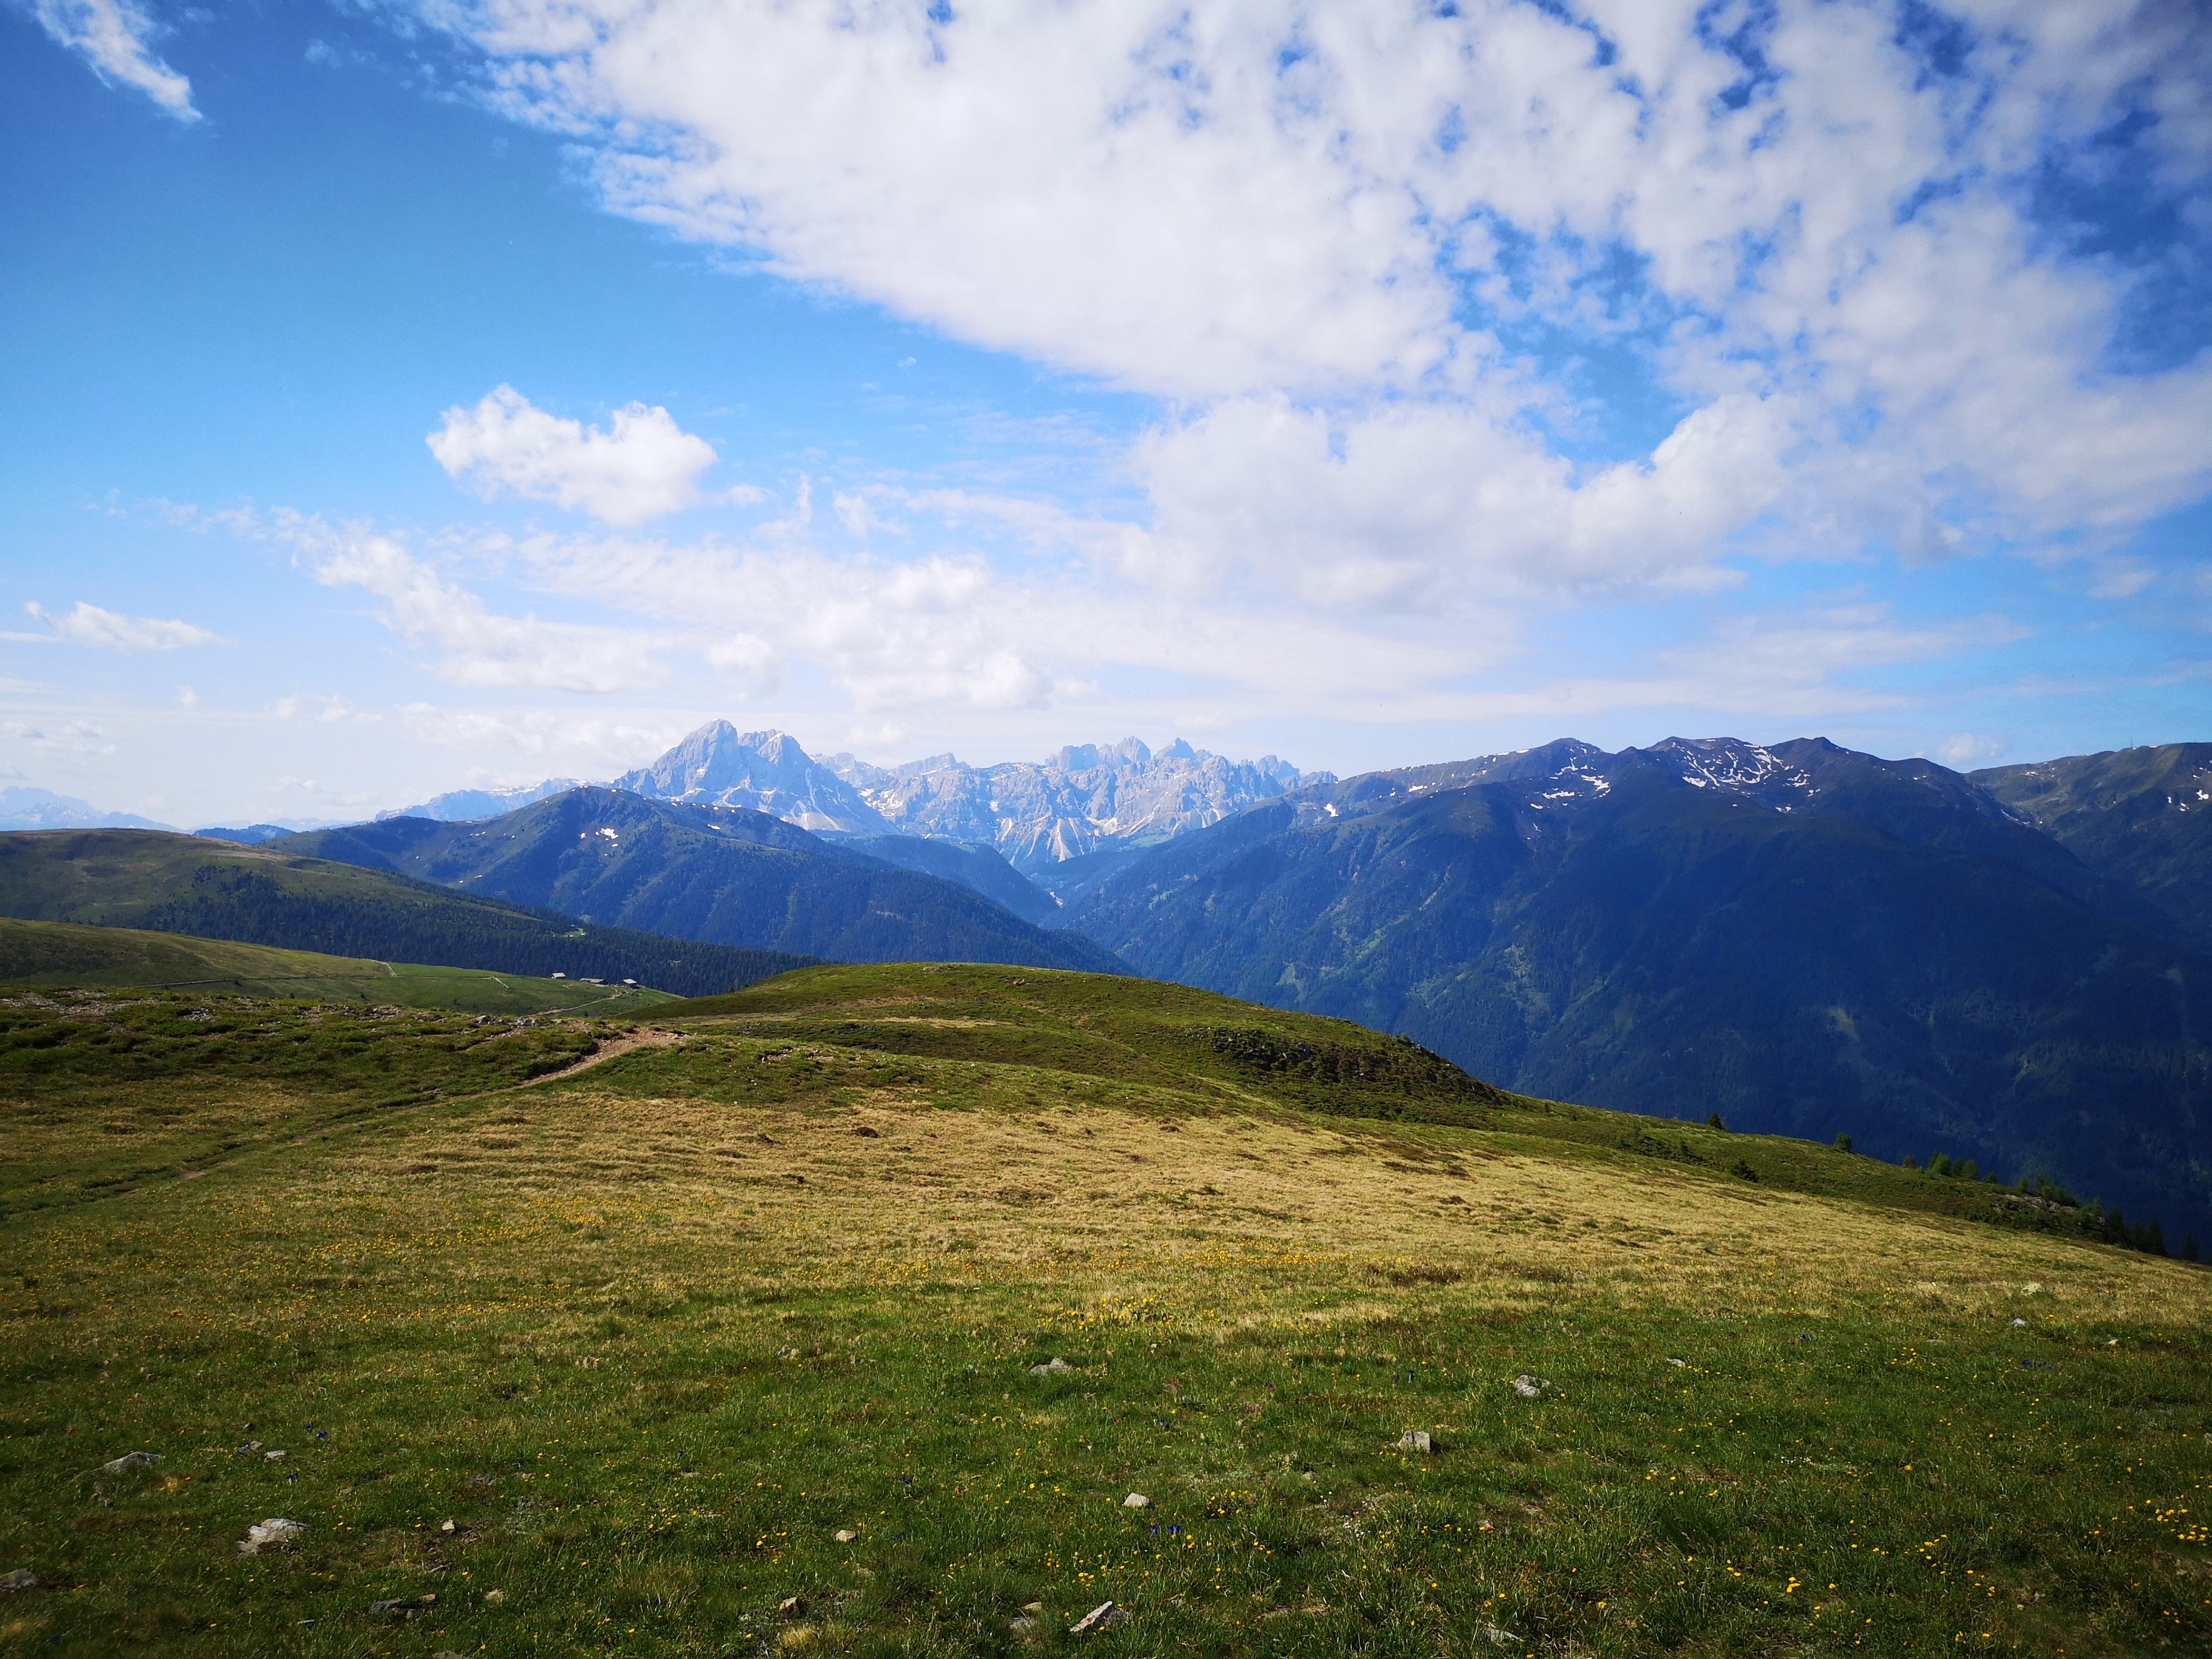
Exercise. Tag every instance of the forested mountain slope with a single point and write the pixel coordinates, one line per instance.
(268, 895)
(724, 874)
(2141, 815)
(1807, 940)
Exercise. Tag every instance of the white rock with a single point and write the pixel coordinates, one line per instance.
(1530, 1387)
(130, 1461)
(1416, 1440)
(1052, 1367)
(275, 1533)
(846, 1536)
(1104, 1616)
(1136, 1500)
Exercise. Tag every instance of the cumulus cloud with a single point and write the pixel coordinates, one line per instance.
(116, 38)
(109, 630)
(1367, 252)
(642, 466)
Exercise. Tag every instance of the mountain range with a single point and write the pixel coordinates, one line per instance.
(721, 874)
(2142, 815)
(1036, 816)
(2013, 967)
(24, 808)
(209, 889)
(1805, 939)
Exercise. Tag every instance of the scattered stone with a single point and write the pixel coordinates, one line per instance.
(1022, 1626)
(1683, 1363)
(1136, 1500)
(22, 1579)
(494, 1598)
(1104, 1616)
(1416, 1440)
(130, 1461)
(2019, 1324)
(275, 1533)
(1032, 1606)
(1497, 1637)
(2031, 1289)
(448, 1526)
(791, 1606)
(275, 1456)
(847, 1535)
(1530, 1387)
(1051, 1368)
(400, 1607)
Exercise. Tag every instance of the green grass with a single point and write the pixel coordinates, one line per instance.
(45, 954)
(650, 1335)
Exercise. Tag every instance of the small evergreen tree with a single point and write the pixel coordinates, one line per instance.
(1969, 1171)
(1906, 1163)
(1713, 1122)
(1842, 1143)
(1940, 1163)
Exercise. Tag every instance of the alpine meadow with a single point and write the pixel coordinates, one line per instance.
(988, 829)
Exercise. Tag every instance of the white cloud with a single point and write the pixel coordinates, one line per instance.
(470, 644)
(1316, 229)
(109, 630)
(643, 466)
(116, 38)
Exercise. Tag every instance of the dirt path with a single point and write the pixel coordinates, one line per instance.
(599, 1056)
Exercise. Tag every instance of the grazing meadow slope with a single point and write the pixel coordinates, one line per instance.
(267, 895)
(855, 1312)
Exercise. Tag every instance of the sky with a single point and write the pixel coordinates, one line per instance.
(403, 395)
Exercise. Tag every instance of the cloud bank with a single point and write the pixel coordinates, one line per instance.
(1367, 254)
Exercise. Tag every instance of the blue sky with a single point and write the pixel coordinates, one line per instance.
(400, 399)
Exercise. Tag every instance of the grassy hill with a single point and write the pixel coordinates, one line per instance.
(259, 895)
(741, 1337)
(34, 954)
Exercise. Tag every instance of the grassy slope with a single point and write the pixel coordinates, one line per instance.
(34, 954)
(649, 1334)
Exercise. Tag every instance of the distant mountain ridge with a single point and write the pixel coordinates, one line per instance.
(721, 874)
(467, 806)
(23, 808)
(2143, 816)
(269, 894)
(1808, 939)
(1084, 798)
